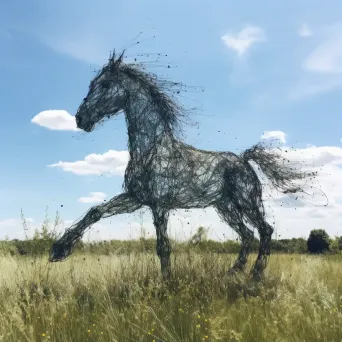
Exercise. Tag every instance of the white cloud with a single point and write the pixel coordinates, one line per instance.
(14, 229)
(323, 66)
(111, 162)
(244, 39)
(94, 197)
(326, 58)
(9, 223)
(56, 120)
(323, 155)
(279, 135)
(310, 86)
(304, 31)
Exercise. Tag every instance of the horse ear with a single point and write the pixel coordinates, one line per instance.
(112, 57)
(119, 60)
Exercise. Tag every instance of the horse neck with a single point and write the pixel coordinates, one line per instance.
(146, 130)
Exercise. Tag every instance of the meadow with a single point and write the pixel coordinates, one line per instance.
(120, 297)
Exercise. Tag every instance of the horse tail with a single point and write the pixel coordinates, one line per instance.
(272, 164)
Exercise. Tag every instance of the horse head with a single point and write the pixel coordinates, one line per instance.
(106, 97)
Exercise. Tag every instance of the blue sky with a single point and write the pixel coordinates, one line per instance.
(275, 67)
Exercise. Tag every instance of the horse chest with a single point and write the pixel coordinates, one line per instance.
(150, 182)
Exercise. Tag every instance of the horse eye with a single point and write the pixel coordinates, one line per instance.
(105, 84)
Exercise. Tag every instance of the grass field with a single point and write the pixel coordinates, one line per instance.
(121, 298)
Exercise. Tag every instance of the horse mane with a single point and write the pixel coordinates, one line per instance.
(161, 91)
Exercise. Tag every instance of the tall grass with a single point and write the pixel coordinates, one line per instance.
(122, 298)
(113, 292)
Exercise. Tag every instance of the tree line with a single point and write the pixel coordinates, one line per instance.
(317, 242)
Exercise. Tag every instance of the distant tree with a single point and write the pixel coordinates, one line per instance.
(300, 245)
(199, 236)
(340, 243)
(318, 241)
(334, 247)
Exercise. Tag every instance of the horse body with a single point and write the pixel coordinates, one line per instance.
(183, 178)
(164, 173)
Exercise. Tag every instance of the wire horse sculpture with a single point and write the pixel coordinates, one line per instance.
(164, 173)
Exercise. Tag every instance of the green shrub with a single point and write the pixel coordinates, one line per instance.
(318, 241)
(340, 243)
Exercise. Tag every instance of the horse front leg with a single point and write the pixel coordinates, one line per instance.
(160, 219)
(121, 204)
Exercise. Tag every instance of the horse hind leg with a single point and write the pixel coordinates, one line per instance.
(257, 218)
(235, 221)
(246, 236)
(261, 262)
